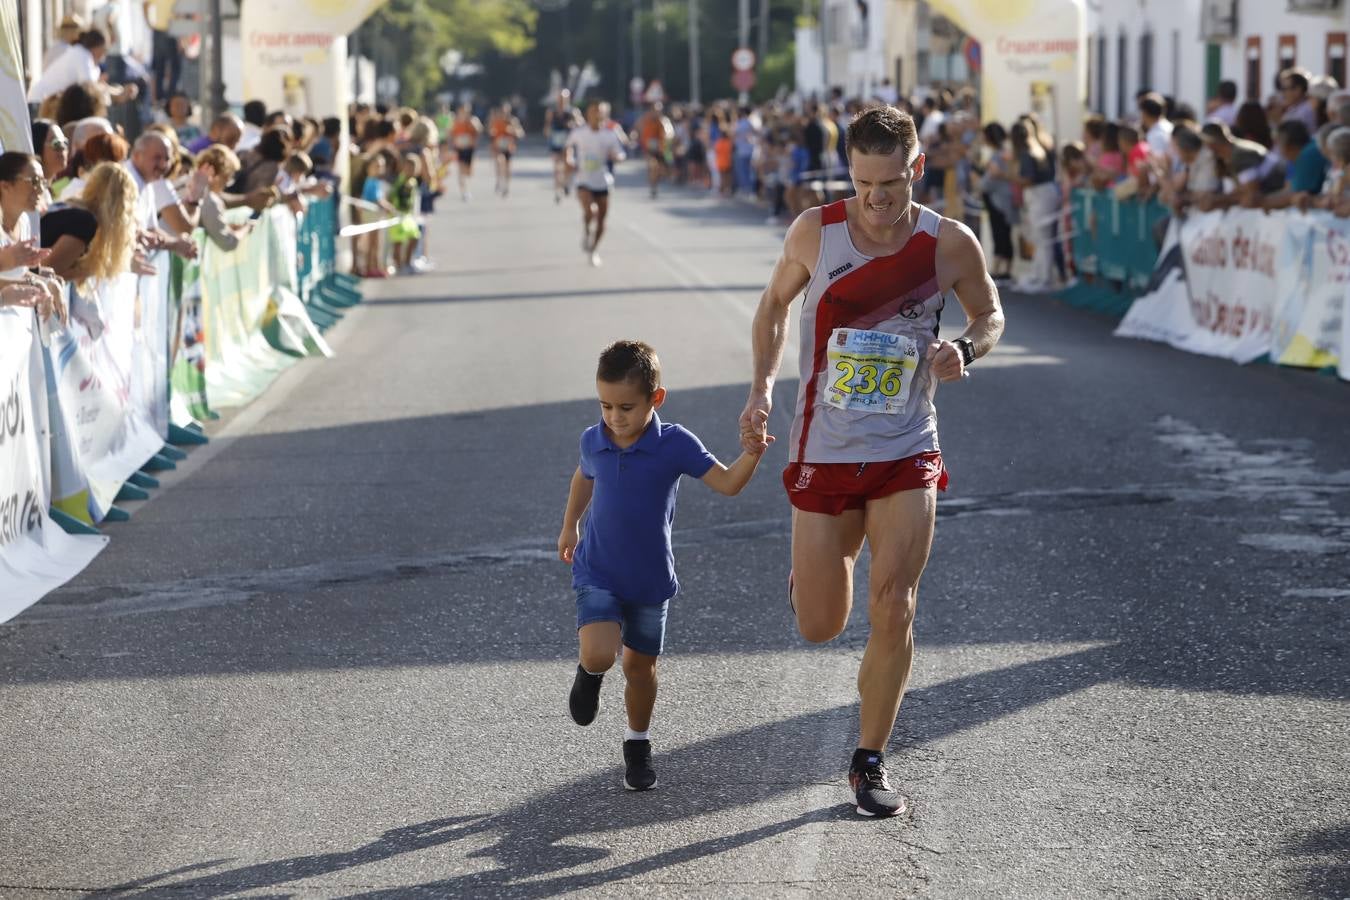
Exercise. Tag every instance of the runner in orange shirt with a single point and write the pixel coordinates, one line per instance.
(464, 139)
(655, 133)
(505, 130)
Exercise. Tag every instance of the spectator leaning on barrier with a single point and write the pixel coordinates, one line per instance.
(255, 117)
(149, 163)
(101, 148)
(220, 165)
(95, 236)
(261, 165)
(1305, 166)
(1336, 196)
(1223, 108)
(1252, 124)
(1256, 170)
(22, 191)
(1297, 105)
(226, 129)
(51, 147)
(1198, 181)
(1154, 123)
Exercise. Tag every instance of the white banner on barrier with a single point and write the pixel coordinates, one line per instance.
(1215, 287)
(1314, 275)
(36, 556)
(114, 435)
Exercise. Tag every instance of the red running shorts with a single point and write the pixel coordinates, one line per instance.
(831, 488)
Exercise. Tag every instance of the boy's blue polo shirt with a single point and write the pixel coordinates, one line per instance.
(625, 547)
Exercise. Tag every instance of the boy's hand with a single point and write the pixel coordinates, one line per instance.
(567, 543)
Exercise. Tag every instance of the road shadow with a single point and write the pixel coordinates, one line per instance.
(1326, 871)
(557, 842)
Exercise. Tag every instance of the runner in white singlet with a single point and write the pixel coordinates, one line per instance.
(864, 460)
(590, 149)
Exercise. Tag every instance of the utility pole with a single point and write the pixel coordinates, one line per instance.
(695, 74)
(217, 61)
(637, 39)
(744, 40)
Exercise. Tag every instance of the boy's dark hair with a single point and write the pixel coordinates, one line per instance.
(1294, 133)
(255, 113)
(1152, 107)
(631, 361)
(1228, 91)
(879, 130)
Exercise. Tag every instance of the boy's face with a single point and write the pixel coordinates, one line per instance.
(626, 408)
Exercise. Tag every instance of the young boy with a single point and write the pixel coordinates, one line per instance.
(622, 567)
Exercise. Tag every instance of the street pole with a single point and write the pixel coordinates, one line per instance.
(695, 75)
(745, 40)
(637, 40)
(217, 60)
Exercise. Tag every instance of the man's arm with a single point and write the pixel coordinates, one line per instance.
(769, 332)
(961, 268)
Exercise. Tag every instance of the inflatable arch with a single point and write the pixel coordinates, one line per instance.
(1033, 58)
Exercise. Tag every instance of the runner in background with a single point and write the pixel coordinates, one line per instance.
(559, 121)
(464, 139)
(590, 151)
(655, 133)
(504, 130)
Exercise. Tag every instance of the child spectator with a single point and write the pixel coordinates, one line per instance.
(375, 191)
(405, 196)
(723, 154)
(622, 566)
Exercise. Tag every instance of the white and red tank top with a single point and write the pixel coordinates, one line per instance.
(866, 391)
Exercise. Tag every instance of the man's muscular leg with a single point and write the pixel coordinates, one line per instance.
(824, 551)
(899, 533)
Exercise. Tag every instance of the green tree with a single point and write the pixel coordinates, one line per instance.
(408, 38)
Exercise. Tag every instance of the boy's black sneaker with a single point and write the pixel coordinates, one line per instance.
(584, 700)
(638, 773)
(872, 787)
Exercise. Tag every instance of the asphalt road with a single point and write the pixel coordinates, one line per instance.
(330, 659)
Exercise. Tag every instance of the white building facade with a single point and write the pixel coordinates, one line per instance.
(1136, 45)
(1259, 38)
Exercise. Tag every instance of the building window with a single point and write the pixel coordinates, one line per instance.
(1101, 74)
(1253, 63)
(1122, 67)
(1288, 51)
(1146, 61)
(1176, 62)
(1336, 56)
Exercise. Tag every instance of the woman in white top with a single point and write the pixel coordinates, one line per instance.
(80, 64)
(22, 191)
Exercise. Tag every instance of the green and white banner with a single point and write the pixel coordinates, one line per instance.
(36, 556)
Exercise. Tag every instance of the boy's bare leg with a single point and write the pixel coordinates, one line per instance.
(639, 693)
(600, 643)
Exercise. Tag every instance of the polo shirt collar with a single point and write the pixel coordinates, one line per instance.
(647, 443)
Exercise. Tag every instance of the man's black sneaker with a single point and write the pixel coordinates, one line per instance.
(584, 700)
(638, 772)
(872, 788)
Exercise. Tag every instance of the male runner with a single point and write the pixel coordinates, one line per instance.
(504, 130)
(589, 151)
(464, 138)
(655, 133)
(864, 459)
(559, 120)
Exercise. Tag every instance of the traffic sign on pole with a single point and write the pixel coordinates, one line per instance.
(743, 60)
(743, 80)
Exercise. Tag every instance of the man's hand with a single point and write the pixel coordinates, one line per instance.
(944, 358)
(184, 246)
(754, 422)
(567, 542)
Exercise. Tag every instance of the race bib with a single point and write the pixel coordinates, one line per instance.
(463, 141)
(591, 164)
(870, 371)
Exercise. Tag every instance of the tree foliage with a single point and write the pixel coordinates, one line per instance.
(408, 38)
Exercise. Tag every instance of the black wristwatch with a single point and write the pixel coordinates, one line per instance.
(967, 348)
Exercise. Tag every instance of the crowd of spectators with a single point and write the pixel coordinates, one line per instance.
(106, 204)
(1290, 151)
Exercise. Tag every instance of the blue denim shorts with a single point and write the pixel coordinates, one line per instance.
(644, 624)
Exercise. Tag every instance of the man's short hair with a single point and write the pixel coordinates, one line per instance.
(1214, 130)
(880, 130)
(1228, 91)
(630, 361)
(1151, 106)
(1293, 132)
(1295, 78)
(255, 113)
(1187, 138)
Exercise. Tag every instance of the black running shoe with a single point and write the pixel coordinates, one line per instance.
(872, 788)
(638, 773)
(584, 700)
